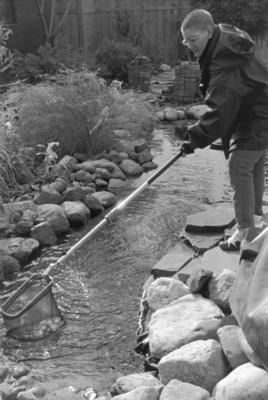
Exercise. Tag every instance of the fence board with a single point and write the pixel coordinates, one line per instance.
(154, 22)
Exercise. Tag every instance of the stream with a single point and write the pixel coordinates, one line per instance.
(102, 282)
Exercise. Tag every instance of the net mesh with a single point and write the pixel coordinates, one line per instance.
(31, 313)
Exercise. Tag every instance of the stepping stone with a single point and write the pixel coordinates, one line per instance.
(203, 242)
(175, 259)
(215, 260)
(214, 219)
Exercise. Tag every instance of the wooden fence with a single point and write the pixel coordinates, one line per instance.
(153, 24)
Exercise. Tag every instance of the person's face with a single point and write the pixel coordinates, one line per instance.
(196, 40)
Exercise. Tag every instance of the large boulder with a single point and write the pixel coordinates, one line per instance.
(141, 393)
(44, 234)
(178, 390)
(130, 382)
(106, 199)
(48, 195)
(229, 339)
(163, 291)
(55, 216)
(8, 266)
(200, 363)
(19, 248)
(76, 212)
(245, 382)
(220, 287)
(131, 168)
(189, 318)
(93, 204)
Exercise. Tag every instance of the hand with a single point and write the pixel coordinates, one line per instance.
(186, 148)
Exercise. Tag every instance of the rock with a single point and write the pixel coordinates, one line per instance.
(145, 156)
(80, 156)
(4, 372)
(229, 340)
(29, 215)
(74, 193)
(247, 349)
(203, 242)
(165, 67)
(181, 114)
(13, 392)
(106, 199)
(116, 184)
(44, 234)
(88, 190)
(141, 393)
(8, 266)
(55, 216)
(4, 218)
(148, 166)
(19, 248)
(140, 145)
(131, 168)
(170, 114)
(48, 195)
(59, 184)
(20, 206)
(189, 318)
(67, 393)
(196, 112)
(23, 174)
(123, 155)
(163, 291)
(130, 382)
(177, 390)
(175, 259)
(220, 288)
(23, 227)
(91, 166)
(102, 173)
(200, 363)
(19, 371)
(68, 162)
(215, 219)
(245, 382)
(161, 115)
(83, 176)
(93, 204)
(101, 183)
(114, 156)
(117, 173)
(214, 260)
(198, 280)
(76, 212)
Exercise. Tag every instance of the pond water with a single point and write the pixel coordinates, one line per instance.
(101, 283)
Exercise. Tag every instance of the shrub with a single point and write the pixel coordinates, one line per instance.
(5, 54)
(114, 57)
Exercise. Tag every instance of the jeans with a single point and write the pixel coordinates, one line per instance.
(246, 169)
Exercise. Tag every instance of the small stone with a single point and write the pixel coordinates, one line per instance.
(19, 371)
(23, 227)
(48, 195)
(101, 183)
(140, 145)
(163, 291)
(131, 168)
(106, 199)
(170, 114)
(83, 176)
(4, 371)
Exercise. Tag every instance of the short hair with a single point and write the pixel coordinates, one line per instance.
(199, 19)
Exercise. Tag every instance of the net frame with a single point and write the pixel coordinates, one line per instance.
(36, 319)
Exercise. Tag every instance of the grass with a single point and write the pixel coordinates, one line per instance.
(76, 109)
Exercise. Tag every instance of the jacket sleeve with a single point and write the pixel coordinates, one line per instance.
(224, 104)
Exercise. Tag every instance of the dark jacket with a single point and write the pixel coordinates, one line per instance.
(235, 84)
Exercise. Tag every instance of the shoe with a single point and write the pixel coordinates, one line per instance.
(234, 241)
(258, 221)
(229, 245)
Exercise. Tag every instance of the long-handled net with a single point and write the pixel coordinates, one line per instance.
(31, 313)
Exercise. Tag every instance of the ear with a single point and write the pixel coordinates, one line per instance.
(210, 31)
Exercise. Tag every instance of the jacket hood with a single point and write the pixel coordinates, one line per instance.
(234, 47)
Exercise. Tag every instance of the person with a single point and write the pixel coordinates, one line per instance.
(234, 82)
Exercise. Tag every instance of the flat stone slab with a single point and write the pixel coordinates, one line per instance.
(203, 241)
(175, 259)
(214, 219)
(214, 260)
